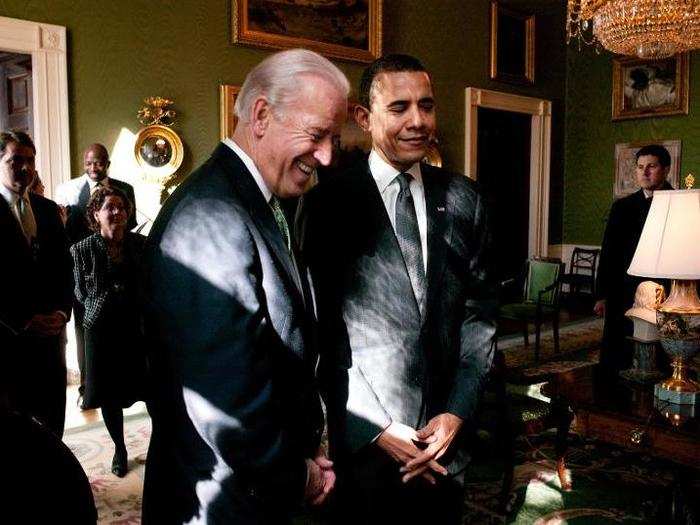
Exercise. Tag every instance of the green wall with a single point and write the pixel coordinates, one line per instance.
(591, 136)
(123, 51)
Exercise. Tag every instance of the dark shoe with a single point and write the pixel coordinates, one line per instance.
(119, 464)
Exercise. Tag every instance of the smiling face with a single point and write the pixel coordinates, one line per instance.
(650, 173)
(96, 162)
(17, 167)
(296, 139)
(401, 119)
(111, 216)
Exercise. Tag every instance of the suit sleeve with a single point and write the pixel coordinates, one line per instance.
(219, 330)
(478, 327)
(608, 253)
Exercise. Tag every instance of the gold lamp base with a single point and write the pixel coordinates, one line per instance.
(679, 381)
(678, 322)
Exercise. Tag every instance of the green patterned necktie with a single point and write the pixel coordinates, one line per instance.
(281, 221)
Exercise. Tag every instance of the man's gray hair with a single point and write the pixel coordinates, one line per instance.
(280, 76)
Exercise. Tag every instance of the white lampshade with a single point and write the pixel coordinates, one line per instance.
(669, 247)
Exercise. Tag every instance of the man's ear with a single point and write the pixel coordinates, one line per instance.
(261, 113)
(361, 115)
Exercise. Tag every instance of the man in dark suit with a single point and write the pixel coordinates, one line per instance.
(615, 289)
(36, 291)
(230, 313)
(398, 253)
(73, 196)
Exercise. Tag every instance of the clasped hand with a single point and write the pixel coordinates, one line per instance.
(399, 441)
(321, 478)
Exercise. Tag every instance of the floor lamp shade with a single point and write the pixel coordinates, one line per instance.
(669, 247)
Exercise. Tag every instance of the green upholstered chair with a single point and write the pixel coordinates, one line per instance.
(540, 300)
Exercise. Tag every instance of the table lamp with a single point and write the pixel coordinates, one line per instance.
(669, 248)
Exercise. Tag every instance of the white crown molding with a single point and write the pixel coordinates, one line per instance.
(540, 152)
(46, 44)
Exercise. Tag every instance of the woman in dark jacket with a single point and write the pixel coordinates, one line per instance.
(106, 267)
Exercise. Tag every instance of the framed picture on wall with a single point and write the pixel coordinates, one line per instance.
(512, 45)
(227, 100)
(18, 94)
(350, 30)
(626, 164)
(650, 88)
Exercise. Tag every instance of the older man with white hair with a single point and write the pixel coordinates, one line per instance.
(236, 414)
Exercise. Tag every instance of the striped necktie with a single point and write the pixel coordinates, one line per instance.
(408, 235)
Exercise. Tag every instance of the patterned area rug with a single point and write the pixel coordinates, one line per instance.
(118, 500)
(610, 485)
(578, 346)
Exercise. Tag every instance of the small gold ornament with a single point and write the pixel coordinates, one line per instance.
(689, 181)
(156, 112)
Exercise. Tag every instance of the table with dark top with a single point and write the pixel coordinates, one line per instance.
(628, 414)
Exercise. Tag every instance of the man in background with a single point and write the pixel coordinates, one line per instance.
(37, 287)
(230, 318)
(73, 197)
(399, 256)
(614, 287)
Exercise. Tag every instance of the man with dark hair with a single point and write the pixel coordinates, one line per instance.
(74, 195)
(614, 287)
(399, 255)
(36, 290)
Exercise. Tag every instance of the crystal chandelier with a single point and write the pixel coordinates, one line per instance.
(645, 28)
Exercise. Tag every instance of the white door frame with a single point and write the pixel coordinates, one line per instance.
(540, 151)
(46, 44)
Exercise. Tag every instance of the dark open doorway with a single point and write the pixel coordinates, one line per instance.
(503, 171)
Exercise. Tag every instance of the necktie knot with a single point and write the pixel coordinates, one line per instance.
(404, 179)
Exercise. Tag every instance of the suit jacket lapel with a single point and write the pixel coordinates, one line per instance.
(13, 226)
(439, 219)
(382, 223)
(260, 211)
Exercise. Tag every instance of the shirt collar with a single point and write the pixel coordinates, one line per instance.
(92, 183)
(10, 196)
(252, 168)
(384, 173)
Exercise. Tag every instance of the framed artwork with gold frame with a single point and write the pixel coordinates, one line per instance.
(512, 46)
(158, 151)
(650, 88)
(335, 28)
(227, 118)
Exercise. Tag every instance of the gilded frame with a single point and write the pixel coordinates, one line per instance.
(243, 32)
(175, 152)
(227, 119)
(527, 76)
(655, 99)
(625, 182)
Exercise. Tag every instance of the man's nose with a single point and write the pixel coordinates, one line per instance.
(324, 152)
(416, 118)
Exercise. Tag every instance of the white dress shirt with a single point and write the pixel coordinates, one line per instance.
(12, 199)
(252, 168)
(68, 193)
(385, 177)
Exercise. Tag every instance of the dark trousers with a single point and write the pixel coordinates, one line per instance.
(370, 491)
(78, 315)
(37, 380)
